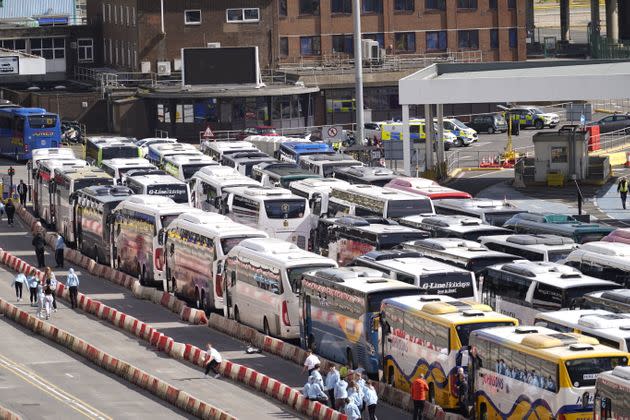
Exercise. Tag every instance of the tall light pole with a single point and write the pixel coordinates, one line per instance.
(358, 71)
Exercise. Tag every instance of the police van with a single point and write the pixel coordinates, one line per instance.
(417, 133)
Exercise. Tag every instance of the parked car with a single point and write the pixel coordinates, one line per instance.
(488, 123)
(614, 123)
(260, 130)
(530, 116)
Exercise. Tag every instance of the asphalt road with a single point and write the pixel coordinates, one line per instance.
(40, 380)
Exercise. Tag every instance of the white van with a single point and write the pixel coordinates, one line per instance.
(209, 182)
(263, 281)
(196, 246)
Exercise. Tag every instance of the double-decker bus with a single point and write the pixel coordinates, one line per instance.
(196, 246)
(67, 183)
(611, 395)
(43, 186)
(138, 238)
(537, 372)
(423, 336)
(24, 129)
(92, 209)
(263, 281)
(340, 312)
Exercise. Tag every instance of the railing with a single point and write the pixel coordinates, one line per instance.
(108, 78)
(603, 48)
(614, 139)
(612, 105)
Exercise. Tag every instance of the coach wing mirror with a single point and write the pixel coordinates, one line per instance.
(161, 237)
(316, 199)
(376, 322)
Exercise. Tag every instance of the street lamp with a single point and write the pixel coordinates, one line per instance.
(358, 71)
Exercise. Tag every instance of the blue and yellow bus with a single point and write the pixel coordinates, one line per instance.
(25, 129)
(340, 317)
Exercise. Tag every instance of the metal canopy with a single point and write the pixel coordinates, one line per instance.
(532, 81)
(516, 82)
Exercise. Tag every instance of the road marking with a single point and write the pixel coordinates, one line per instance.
(52, 390)
(486, 173)
(69, 376)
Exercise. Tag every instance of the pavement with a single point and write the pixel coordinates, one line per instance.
(43, 380)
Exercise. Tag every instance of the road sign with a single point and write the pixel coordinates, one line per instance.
(582, 119)
(208, 133)
(332, 132)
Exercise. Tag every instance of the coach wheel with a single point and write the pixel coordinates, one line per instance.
(390, 376)
(143, 280)
(490, 130)
(237, 315)
(197, 299)
(539, 125)
(310, 342)
(96, 258)
(483, 412)
(204, 304)
(350, 359)
(459, 142)
(266, 329)
(432, 393)
(117, 263)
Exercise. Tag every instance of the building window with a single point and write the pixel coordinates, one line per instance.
(85, 47)
(493, 4)
(284, 46)
(129, 54)
(104, 11)
(48, 48)
(128, 17)
(343, 44)
(109, 13)
(310, 45)
(494, 38)
(14, 44)
(511, 4)
(404, 5)
(372, 6)
(405, 41)
(192, 17)
(379, 37)
(341, 6)
(115, 14)
(282, 8)
(116, 55)
(466, 4)
(104, 50)
(468, 40)
(559, 155)
(122, 13)
(513, 38)
(436, 41)
(309, 7)
(111, 51)
(435, 4)
(135, 57)
(242, 15)
(133, 16)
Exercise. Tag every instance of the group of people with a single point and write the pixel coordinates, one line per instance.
(39, 243)
(43, 292)
(344, 390)
(9, 207)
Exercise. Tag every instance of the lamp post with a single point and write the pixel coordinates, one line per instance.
(358, 71)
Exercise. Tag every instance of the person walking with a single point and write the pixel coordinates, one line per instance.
(32, 282)
(341, 392)
(370, 399)
(40, 246)
(9, 208)
(462, 391)
(59, 247)
(419, 389)
(72, 282)
(310, 362)
(48, 300)
(622, 189)
(22, 189)
(41, 297)
(1, 209)
(351, 410)
(332, 377)
(213, 360)
(19, 282)
(356, 395)
(51, 280)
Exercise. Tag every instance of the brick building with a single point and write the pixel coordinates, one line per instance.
(133, 37)
(320, 28)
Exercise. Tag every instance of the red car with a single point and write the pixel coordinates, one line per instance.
(261, 130)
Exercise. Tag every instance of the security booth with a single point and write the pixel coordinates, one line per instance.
(561, 156)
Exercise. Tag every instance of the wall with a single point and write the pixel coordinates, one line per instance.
(68, 105)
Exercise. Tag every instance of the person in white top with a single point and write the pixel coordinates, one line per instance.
(310, 362)
(213, 360)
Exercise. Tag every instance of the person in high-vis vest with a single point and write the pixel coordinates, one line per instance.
(622, 188)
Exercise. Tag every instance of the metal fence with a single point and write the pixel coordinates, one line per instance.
(615, 139)
(603, 48)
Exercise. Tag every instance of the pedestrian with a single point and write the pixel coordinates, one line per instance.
(370, 399)
(622, 189)
(48, 300)
(41, 297)
(59, 246)
(360, 381)
(475, 365)
(1, 209)
(318, 376)
(213, 360)
(314, 392)
(32, 281)
(9, 208)
(419, 389)
(462, 391)
(329, 384)
(22, 189)
(310, 362)
(51, 281)
(351, 410)
(341, 392)
(72, 282)
(355, 395)
(18, 282)
(40, 246)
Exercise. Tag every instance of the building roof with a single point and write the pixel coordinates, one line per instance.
(523, 81)
(223, 92)
(16, 9)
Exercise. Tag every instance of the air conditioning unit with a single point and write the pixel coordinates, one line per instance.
(214, 45)
(371, 51)
(164, 68)
(145, 67)
(177, 64)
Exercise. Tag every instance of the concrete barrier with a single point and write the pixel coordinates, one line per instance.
(156, 386)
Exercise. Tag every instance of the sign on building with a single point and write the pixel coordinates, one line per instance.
(332, 133)
(9, 65)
